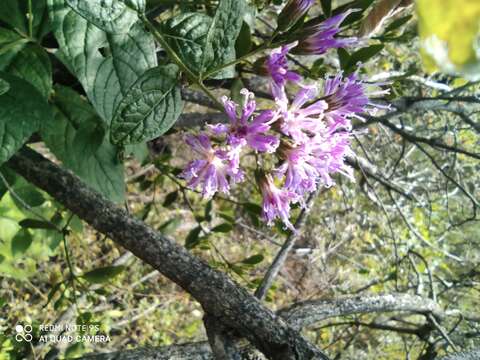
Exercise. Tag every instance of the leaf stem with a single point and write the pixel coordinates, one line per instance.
(30, 19)
(265, 46)
(176, 59)
(73, 277)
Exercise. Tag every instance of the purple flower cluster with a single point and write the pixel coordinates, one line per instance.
(318, 38)
(308, 135)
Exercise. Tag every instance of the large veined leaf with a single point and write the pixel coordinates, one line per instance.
(28, 61)
(187, 35)
(10, 44)
(4, 86)
(75, 135)
(206, 43)
(113, 16)
(150, 108)
(106, 78)
(22, 109)
(449, 31)
(14, 13)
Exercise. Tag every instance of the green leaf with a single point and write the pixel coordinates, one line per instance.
(22, 109)
(170, 198)
(4, 86)
(207, 214)
(362, 55)
(254, 211)
(10, 43)
(105, 78)
(77, 349)
(103, 274)
(21, 242)
(29, 195)
(186, 33)
(28, 61)
(88, 138)
(396, 24)
(10, 178)
(223, 228)
(113, 16)
(14, 13)
(33, 65)
(170, 226)
(94, 161)
(223, 34)
(343, 57)
(244, 43)
(193, 238)
(252, 208)
(36, 224)
(253, 260)
(326, 7)
(226, 217)
(205, 43)
(150, 108)
(360, 5)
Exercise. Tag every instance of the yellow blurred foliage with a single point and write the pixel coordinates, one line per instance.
(450, 36)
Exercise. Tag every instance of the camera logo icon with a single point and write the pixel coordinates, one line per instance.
(23, 333)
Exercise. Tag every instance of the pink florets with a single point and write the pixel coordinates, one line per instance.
(309, 135)
(276, 201)
(213, 168)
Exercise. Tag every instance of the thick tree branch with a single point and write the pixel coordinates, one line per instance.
(298, 315)
(464, 355)
(309, 312)
(217, 294)
(192, 351)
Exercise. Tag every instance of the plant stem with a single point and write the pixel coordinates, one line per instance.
(30, 19)
(73, 277)
(176, 59)
(266, 46)
(234, 62)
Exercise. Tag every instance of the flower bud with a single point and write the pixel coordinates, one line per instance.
(320, 37)
(292, 12)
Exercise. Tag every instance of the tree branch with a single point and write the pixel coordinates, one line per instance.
(307, 313)
(282, 255)
(217, 293)
(191, 351)
(302, 315)
(464, 355)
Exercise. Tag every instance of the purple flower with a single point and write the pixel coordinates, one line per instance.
(318, 38)
(241, 132)
(298, 166)
(348, 97)
(328, 151)
(298, 121)
(276, 201)
(277, 66)
(292, 12)
(212, 168)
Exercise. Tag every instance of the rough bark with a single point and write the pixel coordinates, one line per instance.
(308, 313)
(193, 351)
(464, 355)
(217, 293)
(222, 340)
(320, 310)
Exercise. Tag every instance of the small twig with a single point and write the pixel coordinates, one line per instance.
(442, 331)
(282, 255)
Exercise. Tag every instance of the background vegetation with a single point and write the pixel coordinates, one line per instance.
(409, 223)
